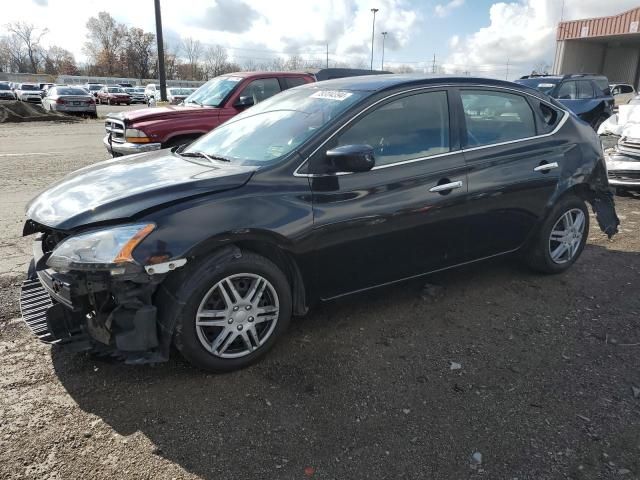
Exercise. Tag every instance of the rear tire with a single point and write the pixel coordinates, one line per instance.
(235, 319)
(561, 239)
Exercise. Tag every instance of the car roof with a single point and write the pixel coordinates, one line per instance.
(374, 83)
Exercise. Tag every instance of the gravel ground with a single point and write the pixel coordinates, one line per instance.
(490, 372)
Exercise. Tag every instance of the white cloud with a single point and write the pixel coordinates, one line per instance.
(522, 34)
(443, 10)
(288, 26)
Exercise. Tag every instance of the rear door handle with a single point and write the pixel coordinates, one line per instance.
(545, 167)
(446, 186)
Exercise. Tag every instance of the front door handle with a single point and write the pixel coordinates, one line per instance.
(545, 167)
(446, 186)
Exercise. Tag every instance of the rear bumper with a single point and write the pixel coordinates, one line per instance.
(125, 148)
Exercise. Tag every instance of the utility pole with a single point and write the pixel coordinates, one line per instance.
(163, 81)
(433, 66)
(506, 77)
(384, 36)
(327, 55)
(373, 31)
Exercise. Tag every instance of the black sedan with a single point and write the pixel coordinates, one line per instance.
(324, 190)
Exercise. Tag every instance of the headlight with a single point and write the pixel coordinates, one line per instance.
(100, 249)
(133, 135)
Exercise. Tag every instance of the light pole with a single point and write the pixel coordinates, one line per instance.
(373, 31)
(384, 36)
(161, 74)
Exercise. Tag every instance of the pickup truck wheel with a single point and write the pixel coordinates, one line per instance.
(561, 238)
(234, 314)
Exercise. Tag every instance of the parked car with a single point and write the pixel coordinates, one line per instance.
(5, 92)
(322, 191)
(113, 96)
(28, 92)
(45, 86)
(176, 95)
(70, 100)
(622, 93)
(588, 96)
(209, 106)
(136, 93)
(125, 85)
(94, 88)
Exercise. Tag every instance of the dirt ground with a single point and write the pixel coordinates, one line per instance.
(367, 387)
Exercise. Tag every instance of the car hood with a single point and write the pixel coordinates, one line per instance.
(122, 187)
(156, 113)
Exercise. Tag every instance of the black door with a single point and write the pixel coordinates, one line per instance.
(514, 166)
(397, 220)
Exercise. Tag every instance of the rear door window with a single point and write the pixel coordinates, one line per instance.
(290, 82)
(496, 117)
(626, 89)
(585, 89)
(261, 89)
(568, 91)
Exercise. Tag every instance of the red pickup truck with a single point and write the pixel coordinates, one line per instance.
(212, 104)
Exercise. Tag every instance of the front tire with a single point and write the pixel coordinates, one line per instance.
(235, 313)
(561, 238)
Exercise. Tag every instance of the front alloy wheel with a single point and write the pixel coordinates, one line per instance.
(234, 310)
(566, 236)
(237, 316)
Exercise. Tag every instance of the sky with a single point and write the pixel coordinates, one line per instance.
(482, 37)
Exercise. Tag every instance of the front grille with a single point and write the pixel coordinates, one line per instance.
(628, 175)
(34, 303)
(115, 128)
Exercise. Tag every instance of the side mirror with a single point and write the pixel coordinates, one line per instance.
(244, 102)
(350, 158)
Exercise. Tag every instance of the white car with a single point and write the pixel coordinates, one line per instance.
(29, 92)
(622, 93)
(152, 92)
(70, 100)
(5, 92)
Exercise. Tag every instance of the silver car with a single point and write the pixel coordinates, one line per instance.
(70, 100)
(136, 93)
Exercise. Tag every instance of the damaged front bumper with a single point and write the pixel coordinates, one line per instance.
(623, 166)
(95, 312)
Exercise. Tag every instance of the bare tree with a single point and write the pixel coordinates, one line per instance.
(294, 62)
(192, 50)
(29, 35)
(58, 61)
(171, 62)
(139, 52)
(106, 38)
(215, 61)
(14, 53)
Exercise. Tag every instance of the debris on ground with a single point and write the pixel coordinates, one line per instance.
(431, 292)
(636, 392)
(476, 460)
(455, 366)
(14, 112)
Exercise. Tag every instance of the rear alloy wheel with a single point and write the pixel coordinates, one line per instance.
(235, 314)
(561, 238)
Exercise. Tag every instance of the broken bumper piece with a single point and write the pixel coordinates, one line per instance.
(121, 321)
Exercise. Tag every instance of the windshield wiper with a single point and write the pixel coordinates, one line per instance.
(211, 158)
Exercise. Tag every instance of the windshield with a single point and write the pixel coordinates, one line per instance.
(213, 92)
(29, 87)
(95, 87)
(115, 90)
(275, 127)
(4, 86)
(545, 85)
(138, 89)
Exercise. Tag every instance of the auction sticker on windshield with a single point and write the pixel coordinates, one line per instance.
(332, 95)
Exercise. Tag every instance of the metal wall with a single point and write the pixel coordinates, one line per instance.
(625, 23)
(579, 57)
(621, 64)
